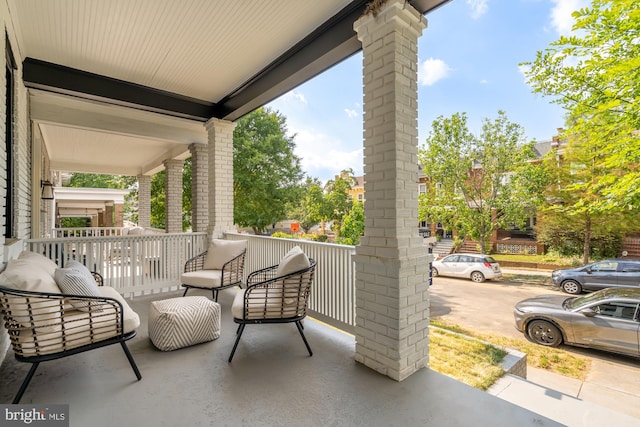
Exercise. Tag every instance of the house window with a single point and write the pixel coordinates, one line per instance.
(422, 188)
(360, 196)
(10, 68)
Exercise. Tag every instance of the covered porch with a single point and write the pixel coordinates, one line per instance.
(272, 381)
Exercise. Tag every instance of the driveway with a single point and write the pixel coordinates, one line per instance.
(613, 381)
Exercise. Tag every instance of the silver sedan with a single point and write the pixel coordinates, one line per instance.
(607, 319)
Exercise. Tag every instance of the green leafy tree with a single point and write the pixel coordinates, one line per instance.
(158, 200)
(186, 195)
(337, 201)
(266, 171)
(306, 209)
(352, 225)
(595, 74)
(479, 183)
(573, 218)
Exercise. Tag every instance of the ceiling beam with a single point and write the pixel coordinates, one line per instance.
(327, 45)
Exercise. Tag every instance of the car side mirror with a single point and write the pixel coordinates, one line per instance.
(589, 312)
(588, 270)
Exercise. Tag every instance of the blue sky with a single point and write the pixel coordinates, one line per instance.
(468, 62)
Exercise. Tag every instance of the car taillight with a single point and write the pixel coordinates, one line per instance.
(487, 264)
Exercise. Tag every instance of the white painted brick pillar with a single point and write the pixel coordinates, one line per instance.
(220, 147)
(199, 187)
(173, 196)
(392, 301)
(144, 200)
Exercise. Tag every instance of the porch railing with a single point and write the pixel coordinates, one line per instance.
(134, 265)
(97, 231)
(333, 293)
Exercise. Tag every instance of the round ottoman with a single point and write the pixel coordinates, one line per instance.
(180, 322)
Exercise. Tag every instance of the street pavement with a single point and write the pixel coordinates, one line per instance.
(609, 395)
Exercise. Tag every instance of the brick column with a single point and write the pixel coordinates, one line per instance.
(199, 187)
(144, 200)
(173, 196)
(220, 155)
(108, 215)
(118, 214)
(392, 302)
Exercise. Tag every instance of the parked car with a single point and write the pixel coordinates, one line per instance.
(476, 267)
(605, 319)
(598, 275)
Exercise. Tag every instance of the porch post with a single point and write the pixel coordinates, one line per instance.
(220, 153)
(108, 215)
(392, 302)
(118, 214)
(173, 196)
(144, 200)
(199, 187)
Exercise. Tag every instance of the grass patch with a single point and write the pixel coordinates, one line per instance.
(468, 360)
(540, 259)
(552, 359)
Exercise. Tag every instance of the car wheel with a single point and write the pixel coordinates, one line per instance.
(477, 277)
(434, 272)
(571, 287)
(544, 333)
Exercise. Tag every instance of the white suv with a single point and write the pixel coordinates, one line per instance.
(474, 266)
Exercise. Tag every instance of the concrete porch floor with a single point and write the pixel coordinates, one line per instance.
(271, 382)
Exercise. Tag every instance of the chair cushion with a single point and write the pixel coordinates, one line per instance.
(180, 322)
(202, 278)
(294, 260)
(42, 261)
(264, 303)
(80, 328)
(77, 280)
(221, 251)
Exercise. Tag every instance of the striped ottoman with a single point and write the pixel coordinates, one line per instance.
(180, 322)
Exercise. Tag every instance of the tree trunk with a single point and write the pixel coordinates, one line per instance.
(587, 242)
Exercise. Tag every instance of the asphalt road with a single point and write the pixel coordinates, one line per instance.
(613, 380)
(485, 307)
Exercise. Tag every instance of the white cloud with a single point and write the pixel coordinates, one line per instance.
(351, 113)
(561, 19)
(294, 97)
(484, 81)
(432, 70)
(478, 7)
(323, 156)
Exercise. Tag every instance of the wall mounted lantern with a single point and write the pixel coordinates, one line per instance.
(47, 190)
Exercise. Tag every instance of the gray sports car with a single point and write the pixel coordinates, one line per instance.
(607, 319)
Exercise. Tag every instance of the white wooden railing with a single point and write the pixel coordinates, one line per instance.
(333, 292)
(98, 231)
(134, 265)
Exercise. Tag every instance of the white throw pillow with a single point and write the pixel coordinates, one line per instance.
(78, 280)
(25, 275)
(39, 259)
(294, 260)
(221, 251)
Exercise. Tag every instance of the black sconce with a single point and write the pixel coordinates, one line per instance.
(47, 190)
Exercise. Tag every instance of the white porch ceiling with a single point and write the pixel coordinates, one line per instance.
(221, 58)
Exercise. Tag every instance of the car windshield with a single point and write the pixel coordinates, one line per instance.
(583, 301)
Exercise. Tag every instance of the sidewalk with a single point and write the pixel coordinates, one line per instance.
(559, 398)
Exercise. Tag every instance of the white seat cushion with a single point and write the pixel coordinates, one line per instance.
(42, 261)
(180, 322)
(202, 278)
(264, 303)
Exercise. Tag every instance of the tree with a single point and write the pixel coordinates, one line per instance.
(337, 201)
(352, 225)
(573, 218)
(479, 184)
(309, 205)
(158, 200)
(265, 169)
(595, 74)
